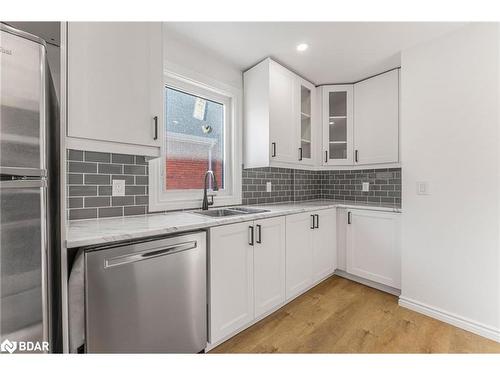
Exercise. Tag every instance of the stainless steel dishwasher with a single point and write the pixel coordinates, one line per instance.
(147, 297)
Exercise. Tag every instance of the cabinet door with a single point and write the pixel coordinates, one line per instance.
(231, 279)
(324, 245)
(376, 119)
(283, 112)
(337, 125)
(298, 253)
(115, 81)
(341, 238)
(269, 264)
(373, 246)
(306, 103)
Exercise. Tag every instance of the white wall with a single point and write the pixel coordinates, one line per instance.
(450, 138)
(183, 55)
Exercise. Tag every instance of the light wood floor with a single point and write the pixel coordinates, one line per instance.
(341, 316)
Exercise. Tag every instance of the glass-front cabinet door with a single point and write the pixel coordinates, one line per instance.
(305, 154)
(337, 125)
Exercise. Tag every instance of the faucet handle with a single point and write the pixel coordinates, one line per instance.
(211, 201)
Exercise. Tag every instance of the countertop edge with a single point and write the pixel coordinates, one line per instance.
(214, 222)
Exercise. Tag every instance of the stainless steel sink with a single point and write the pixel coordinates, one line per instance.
(230, 211)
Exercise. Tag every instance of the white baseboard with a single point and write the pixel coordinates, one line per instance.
(489, 332)
(371, 284)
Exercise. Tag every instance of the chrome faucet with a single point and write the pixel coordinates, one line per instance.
(206, 203)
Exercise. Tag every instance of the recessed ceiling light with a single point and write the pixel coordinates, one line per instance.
(302, 47)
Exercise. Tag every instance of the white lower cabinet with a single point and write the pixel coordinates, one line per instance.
(324, 245)
(247, 273)
(373, 246)
(269, 264)
(231, 279)
(310, 249)
(299, 229)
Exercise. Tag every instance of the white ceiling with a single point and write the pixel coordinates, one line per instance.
(339, 52)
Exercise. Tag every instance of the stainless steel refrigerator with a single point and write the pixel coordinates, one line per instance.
(25, 217)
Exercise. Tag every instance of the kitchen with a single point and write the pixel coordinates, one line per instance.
(262, 193)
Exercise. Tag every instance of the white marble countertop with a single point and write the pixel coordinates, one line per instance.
(100, 231)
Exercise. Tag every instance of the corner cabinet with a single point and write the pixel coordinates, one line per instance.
(376, 119)
(279, 117)
(373, 246)
(360, 122)
(115, 86)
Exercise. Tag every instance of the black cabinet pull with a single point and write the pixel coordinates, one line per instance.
(326, 156)
(349, 217)
(251, 235)
(156, 127)
(300, 153)
(356, 156)
(317, 220)
(274, 149)
(313, 222)
(259, 233)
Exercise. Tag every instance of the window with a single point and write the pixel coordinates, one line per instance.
(201, 132)
(195, 140)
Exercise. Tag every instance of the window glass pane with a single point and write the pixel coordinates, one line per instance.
(195, 140)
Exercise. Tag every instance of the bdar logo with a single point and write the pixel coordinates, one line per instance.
(8, 346)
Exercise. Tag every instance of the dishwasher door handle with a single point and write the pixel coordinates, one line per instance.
(137, 257)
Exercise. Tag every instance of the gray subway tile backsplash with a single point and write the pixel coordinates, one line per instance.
(110, 211)
(295, 185)
(90, 176)
(102, 157)
(84, 213)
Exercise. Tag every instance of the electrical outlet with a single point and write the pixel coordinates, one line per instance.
(366, 186)
(268, 186)
(118, 188)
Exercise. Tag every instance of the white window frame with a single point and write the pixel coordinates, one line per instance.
(162, 200)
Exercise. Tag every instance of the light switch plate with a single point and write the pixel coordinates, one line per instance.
(118, 188)
(366, 186)
(268, 186)
(422, 188)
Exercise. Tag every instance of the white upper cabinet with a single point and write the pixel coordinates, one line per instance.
(115, 85)
(307, 98)
(376, 119)
(337, 125)
(282, 114)
(279, 117)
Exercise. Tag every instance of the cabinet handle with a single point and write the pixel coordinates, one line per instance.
(250, 228)
(317, 220)
(326, 156)
(156, 127)
(259, 234)
(300, 153)
(313, 222)
(356, 156)
(274, 149)
(349, 217)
